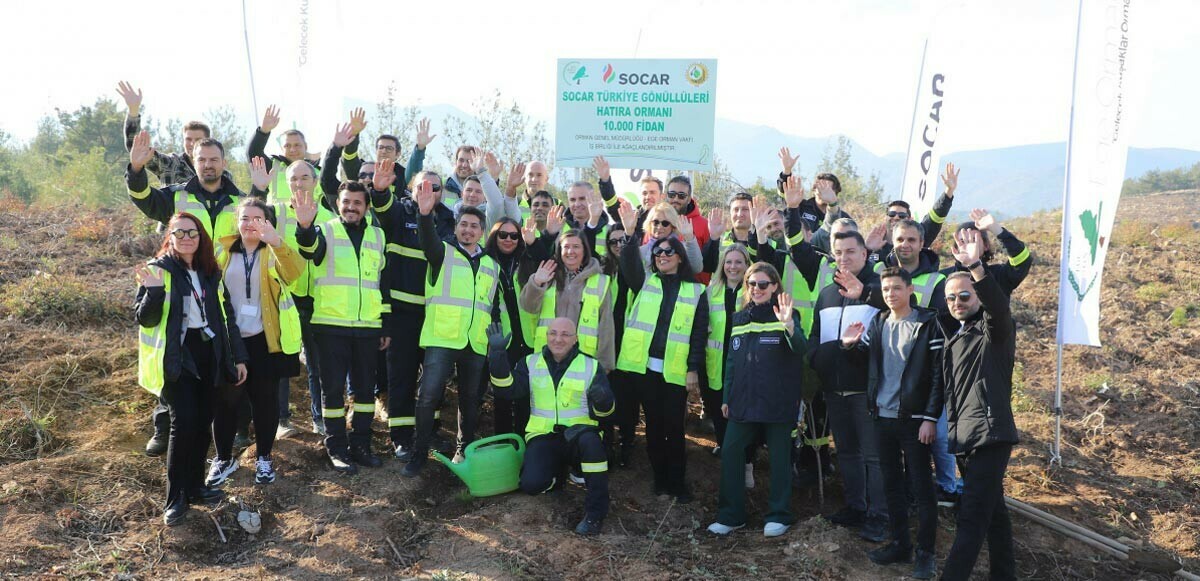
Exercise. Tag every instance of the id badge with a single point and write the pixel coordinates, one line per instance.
(249, 311)
(209, 335)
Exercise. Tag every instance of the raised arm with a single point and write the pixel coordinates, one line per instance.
(258, 141)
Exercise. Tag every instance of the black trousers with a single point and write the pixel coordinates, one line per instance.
(982, 514)
(625, 390)
(261, 390)
(712, 399)
(439, 363)
(666, 411)
(548, 456)
(189, 402)
(355, 357)
(509, 415)
(404, 358)
(899, 449)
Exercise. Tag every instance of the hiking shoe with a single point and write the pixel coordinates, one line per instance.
(414, 466)
(749, 476)
(847, 517)
(589, 527)
(285, 430)
(157, 445)
(264, 472)
(220, 471)
(719, 529)
(892, 552)
(774, 529)
(926, 565)
(874, 529)
(948, 499)
(363, 457)
(342, 463)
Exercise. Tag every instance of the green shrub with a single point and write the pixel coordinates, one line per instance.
(1152, 292)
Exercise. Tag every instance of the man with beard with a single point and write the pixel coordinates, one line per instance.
(910, 253)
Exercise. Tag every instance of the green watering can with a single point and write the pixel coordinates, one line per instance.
(491, 466)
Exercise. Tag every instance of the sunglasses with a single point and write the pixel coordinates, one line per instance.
(678, 195)
(894, 214)
(502, 235)
(436, 187)
(366, 175)
(618, 241)
(662, 223)
(189, 233)
(761, 284)
(963, 296)
(660, 251)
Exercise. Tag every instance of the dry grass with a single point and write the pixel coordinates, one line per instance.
(46, 298)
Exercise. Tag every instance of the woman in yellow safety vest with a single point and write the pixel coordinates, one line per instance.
(517, 253)
(188, 342)
(257, 268)
(663, 352)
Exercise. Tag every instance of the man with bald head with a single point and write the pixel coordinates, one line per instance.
(534, 176)
(568, 396)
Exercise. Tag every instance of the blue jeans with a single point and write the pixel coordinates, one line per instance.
(312, 365)
(857, 453)
(943, 461)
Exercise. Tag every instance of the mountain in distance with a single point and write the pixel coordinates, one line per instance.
(1027, 178)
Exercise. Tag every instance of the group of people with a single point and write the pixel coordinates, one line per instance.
(582, 316)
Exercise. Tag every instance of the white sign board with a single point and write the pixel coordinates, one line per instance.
(636, 112)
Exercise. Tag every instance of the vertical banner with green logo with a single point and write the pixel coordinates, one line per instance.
(656, 113)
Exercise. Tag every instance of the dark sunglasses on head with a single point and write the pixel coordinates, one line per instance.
(679, 195)
(502, 235)
(761, 284)
(660, 251)
(895, 214)
(963, 296)
(180, 233)
(662, 223)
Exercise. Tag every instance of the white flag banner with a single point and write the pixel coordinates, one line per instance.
(921, 173)
(628, 182)
(1112, 71)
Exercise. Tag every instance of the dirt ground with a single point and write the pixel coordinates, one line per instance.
(79, 499)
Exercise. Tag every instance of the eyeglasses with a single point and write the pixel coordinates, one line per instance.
(660, 251)
(662, 223)
(385, 148)
(761, 284)
(963, 296)
(895, 214)
(502, 235)
(678, 195)
(249, 219)
(189, 233)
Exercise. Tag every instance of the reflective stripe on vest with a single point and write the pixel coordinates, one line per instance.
(924, 285)
(226, 221)
(286, 224)
(640, 326)
(565, 405)
(805, 297)
(728, 240)
(458, 306)
(152, 343)
(588, 326)
(346, 286)
(714, 351)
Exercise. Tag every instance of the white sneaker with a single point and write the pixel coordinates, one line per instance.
(264, 473)
(285, 430)
(774, 529)
(319, 427)
(720, 529)
(749, 476)
(576, 479)
(220, 472)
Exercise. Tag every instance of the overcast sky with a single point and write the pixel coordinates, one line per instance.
(806, 68)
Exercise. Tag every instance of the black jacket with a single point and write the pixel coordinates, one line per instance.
(763, 369)
(397, 216)
(921, 383)
(832, 314)
(159, 203)
(635, 275)
(977, 367)
(1009, 274)
(258, 148)
(228, 349)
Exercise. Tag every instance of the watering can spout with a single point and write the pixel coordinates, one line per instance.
(461, 470)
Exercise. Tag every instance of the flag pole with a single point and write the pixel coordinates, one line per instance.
(913, 127)
(249, 64)
(1056, 451)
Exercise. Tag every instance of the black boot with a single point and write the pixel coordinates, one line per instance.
(175, 512)
(589, 527)
(205, 495)
(157, 444)
(363, 457)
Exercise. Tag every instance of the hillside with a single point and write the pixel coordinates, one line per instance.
(78, 499)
